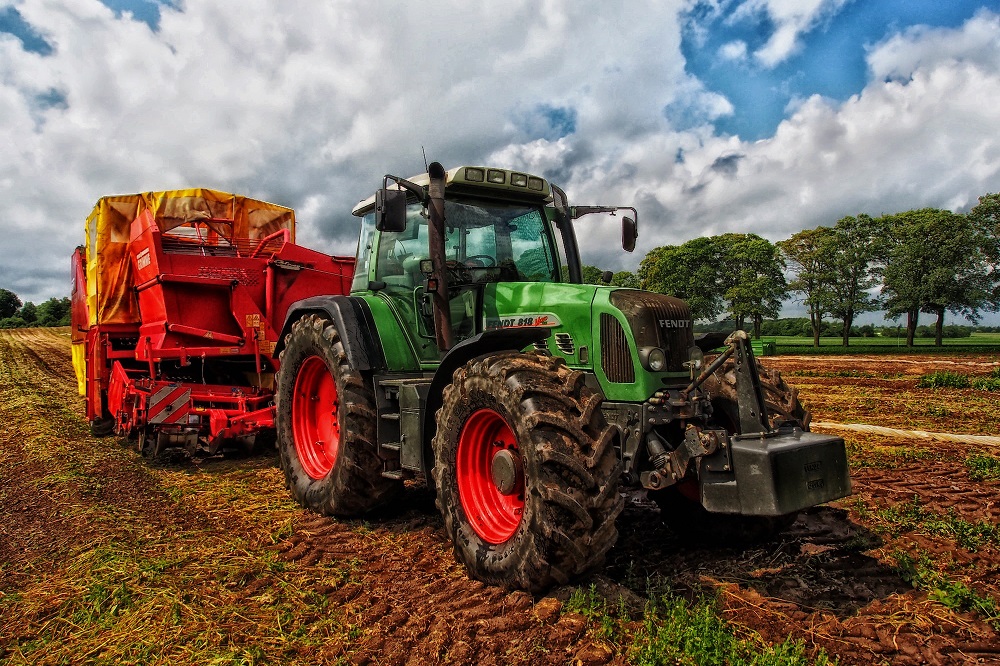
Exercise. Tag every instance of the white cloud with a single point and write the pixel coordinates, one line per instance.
(976, 42)
(735, 51)
(791, 19)
(928, 140)
(309, 104)
(300, 102)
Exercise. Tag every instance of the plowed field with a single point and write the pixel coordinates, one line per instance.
(107, 559)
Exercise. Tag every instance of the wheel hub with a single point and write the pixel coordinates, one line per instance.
(506, 471)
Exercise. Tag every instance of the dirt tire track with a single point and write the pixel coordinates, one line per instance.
(464, 621)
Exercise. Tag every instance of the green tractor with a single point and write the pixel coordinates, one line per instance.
(470, 354)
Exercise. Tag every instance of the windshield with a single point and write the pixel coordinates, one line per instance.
(490, 241)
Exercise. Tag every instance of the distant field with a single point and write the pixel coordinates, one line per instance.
(977, 343)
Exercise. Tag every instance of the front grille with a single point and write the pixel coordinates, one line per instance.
(616, 357)
(657, 320)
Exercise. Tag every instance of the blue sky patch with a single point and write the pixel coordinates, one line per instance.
(147, 11)
(11, 22)
(830, 61)
(549, 122)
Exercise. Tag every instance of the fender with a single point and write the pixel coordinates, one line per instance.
(354, 321)
(482, 344)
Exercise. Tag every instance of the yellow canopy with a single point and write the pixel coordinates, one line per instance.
(110, 297)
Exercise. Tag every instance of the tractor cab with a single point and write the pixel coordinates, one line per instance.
(498, 226)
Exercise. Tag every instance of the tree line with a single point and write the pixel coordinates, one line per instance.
(14, 314)
(926, 261)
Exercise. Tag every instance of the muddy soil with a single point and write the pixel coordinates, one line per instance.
(210, 561)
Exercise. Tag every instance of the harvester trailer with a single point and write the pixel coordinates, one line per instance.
(178, 298)
(469, 353)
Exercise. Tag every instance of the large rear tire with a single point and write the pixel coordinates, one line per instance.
(325, 424)
(680, 504)
(526, 471)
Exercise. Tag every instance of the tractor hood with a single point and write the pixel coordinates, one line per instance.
(561, 307)
(608, 330)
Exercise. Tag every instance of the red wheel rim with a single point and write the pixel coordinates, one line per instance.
(315, 428)
(493, 514)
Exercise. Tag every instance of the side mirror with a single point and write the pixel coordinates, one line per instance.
(390, 210)
(607, 277)
(630, 231)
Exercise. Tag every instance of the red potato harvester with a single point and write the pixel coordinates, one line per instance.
(178, 301)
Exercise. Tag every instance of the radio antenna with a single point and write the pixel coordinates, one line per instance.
(425, 157)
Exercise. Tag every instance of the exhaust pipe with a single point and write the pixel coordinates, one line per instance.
(438, 282)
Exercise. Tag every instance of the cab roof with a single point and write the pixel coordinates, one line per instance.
(502, 183)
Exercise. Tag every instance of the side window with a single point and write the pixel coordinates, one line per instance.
(562, 272)
(399, 253)
(364, 253)
(532, 253)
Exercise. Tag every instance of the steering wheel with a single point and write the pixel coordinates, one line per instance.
(485, 260)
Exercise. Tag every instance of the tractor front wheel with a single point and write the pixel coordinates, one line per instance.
(526, 471)
(325, 424)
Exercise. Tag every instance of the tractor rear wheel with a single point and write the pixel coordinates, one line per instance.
(526, 471)
(680, 505)
(325, 424)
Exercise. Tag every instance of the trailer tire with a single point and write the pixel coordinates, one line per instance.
(680, 505)
(102, 427)
(325, 425)
(526, 471)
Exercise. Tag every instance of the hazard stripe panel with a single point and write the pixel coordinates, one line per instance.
(169, 404)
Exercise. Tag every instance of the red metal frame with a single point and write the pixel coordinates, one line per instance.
(206, 302)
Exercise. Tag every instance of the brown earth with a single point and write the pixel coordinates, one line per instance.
(105, 558)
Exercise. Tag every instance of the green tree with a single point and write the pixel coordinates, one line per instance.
(9, 303)
(592, 275)
(985, 218)
(54, 312)
(625, 279)
(736, 274)
(807, 254)
(752, 277)
(28, 313)
(937, 261)
(850, 254)
(692, 272)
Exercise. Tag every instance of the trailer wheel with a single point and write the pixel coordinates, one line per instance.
(102, 427)
(680, 505)
(526, 471)
(326, 425)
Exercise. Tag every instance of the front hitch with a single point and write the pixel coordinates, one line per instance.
(761, 470)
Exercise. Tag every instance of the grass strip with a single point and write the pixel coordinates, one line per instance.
(983, 467)
(912, 516)
(919, 572)
(676, 631)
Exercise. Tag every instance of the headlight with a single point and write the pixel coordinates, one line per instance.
(653, 359)
(696, 358)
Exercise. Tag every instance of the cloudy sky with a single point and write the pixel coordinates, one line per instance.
(765, 116)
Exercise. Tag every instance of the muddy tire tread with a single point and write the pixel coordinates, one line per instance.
(570, 463)
(355, 485)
